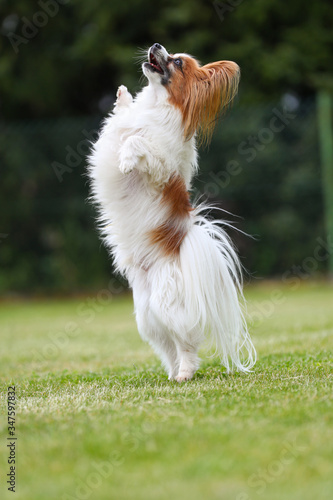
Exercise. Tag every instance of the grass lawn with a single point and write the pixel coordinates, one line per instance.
(97, 418)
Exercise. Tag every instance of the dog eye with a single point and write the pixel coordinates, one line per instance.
(178, 61)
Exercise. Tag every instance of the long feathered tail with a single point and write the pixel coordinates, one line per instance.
(213, 292)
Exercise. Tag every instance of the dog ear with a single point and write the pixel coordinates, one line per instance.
(217, 86)
(201, 93)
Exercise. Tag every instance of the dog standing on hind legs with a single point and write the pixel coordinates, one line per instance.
(182, 267)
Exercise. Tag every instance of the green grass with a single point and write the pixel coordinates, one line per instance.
(98, 419)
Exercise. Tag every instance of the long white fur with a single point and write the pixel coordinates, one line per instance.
(179, 300)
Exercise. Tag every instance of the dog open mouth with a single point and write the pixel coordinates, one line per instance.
(154, 64)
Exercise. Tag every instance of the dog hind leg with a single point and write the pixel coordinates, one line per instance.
(150, 328)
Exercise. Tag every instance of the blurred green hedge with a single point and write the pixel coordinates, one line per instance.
(262, 166)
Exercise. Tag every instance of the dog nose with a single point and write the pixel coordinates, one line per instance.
(157, 46)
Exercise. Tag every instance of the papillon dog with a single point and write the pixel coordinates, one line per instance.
(182, 267)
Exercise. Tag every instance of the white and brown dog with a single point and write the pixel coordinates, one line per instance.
(182, 267)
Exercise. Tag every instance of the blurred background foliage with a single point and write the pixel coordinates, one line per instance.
(61, 62)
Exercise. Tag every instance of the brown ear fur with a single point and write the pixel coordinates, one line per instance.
(202, 93)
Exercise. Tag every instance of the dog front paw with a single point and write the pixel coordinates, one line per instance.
(126, 166)
(133, 155)
(124, 98)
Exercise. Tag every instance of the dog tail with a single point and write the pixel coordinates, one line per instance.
(213, 292)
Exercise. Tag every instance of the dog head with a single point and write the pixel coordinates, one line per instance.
(201, 93)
